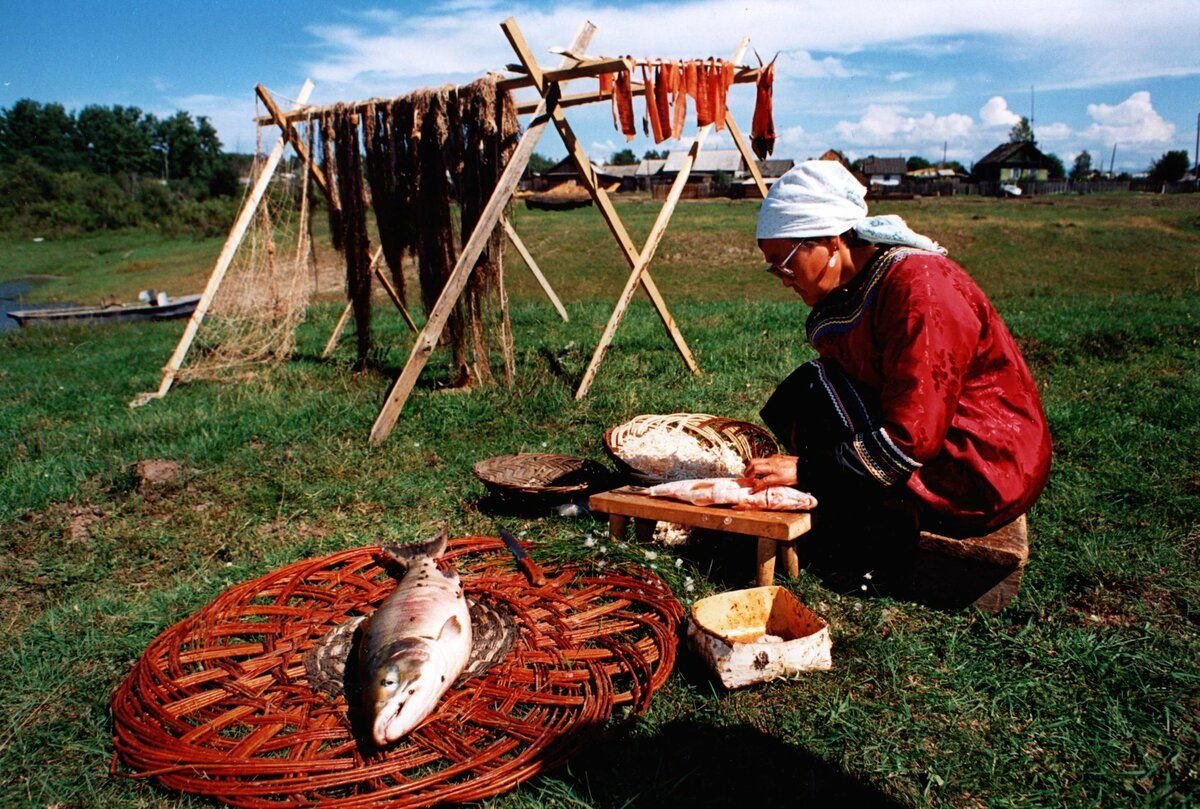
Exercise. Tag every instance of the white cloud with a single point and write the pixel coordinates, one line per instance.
(898, 75)
(802, 65)
(996, 113)
(1133, 121)
(1052, 132)
(883, 126)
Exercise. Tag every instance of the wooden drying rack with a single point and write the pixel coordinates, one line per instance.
(549, 108)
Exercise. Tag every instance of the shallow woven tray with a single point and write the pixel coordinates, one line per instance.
(219, 703)
(535, 475)
(748, 440)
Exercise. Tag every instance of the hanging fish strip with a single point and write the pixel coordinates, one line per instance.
(425, 152)
(356, 245)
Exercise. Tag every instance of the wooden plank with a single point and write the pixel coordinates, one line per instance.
(642, 264)
(290, 134)
(774, 525)
(428, 338)
(337, 331)
(533, 267)
(747, 154)
(588, 68)
(391, 290)
(224, 259)
(765, 570)
(587, 175)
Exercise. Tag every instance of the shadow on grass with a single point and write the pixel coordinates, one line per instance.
(690, 764)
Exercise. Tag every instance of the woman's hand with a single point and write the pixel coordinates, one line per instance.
(778, 470)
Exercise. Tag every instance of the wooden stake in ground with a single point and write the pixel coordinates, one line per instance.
(488, 221)
(533, 268)
(249, 207)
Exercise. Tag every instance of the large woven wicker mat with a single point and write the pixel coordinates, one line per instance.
(219, 704)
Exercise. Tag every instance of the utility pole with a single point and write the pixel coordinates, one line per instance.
(1196, 168)
(1112, 161)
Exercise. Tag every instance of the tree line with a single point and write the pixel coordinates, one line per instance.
(104, 167)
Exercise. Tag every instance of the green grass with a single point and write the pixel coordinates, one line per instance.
(1083, 692)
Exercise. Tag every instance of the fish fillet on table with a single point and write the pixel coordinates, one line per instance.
(415, 645)
(729, 492)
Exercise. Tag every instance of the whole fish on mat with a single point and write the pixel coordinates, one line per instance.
(730, 492)
(422, 639)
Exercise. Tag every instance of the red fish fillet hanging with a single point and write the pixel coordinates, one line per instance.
(762, 127)
(652, 105)
(662, 100)
(623, 104)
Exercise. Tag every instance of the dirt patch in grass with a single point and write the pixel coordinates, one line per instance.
(1121, 604)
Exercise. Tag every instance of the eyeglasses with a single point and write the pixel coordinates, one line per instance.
(780, 270)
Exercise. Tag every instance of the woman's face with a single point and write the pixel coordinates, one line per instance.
(803, 265)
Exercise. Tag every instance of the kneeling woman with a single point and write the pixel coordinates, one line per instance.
(920, 395)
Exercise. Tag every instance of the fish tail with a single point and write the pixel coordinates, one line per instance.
(408, 554)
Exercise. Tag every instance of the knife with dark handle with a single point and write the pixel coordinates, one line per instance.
(530, 568)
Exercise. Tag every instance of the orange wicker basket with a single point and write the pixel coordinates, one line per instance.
(219, 704)
(712, 434)
(540, 476)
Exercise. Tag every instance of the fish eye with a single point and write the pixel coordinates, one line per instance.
(388, 682)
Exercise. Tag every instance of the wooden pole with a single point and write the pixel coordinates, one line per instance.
(391, 291)
(533, 267)
(747, 154)
(550, 91)
(249, 207)
(647, 254)
(488, 220)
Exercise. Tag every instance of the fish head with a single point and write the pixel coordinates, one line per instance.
(405, 688)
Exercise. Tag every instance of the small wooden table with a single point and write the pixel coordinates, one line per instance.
(776, 531)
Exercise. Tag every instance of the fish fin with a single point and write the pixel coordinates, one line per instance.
(407, 554)
(450, 630)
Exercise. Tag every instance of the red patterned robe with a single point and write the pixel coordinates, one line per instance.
(962, 425)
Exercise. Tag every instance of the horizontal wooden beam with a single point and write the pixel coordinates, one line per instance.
(744, 75)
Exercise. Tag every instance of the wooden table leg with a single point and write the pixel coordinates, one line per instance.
(785, 553)
(766, 562)
(643, 529)
(616, 527)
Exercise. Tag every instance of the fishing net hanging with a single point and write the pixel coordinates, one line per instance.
(220, 703)
(262, 300)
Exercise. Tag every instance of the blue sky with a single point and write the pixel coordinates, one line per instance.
(891, 79)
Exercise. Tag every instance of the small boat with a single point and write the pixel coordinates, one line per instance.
(152, 307)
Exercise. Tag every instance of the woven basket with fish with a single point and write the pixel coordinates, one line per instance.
(681, 446)
(251, 700)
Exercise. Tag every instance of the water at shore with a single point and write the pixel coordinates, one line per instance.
(11, 293)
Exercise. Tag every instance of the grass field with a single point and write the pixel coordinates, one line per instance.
(1085, 691)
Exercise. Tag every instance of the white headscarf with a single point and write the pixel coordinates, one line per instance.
(822, 198)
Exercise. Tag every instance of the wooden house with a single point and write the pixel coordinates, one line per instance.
(1011, 163)
(887, 171)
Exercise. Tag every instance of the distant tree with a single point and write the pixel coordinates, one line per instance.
(625, 157)
(190, 150)
(1022, 132)
(653, 155)
(539, 164)
(915, 162)
(115, 140)
(43, 132)
(1083, 165)
(1170, 167)
(957, 166)
(1055, 165)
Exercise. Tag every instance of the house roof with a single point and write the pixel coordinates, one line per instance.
(1022, 153)
(614, 170)
(727, 160)
(884, 165)
(648, 167)
(774, 168)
